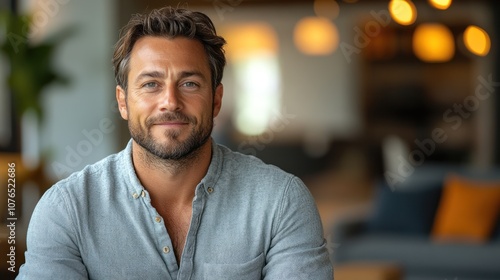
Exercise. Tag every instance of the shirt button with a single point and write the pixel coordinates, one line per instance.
(157, 219)
(210, 190)
(143, 194)
(135, 195)
(166, 250)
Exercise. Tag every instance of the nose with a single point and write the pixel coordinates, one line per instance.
(170, 99)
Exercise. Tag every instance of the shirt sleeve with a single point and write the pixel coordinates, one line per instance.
(298, 249)
(52, 251)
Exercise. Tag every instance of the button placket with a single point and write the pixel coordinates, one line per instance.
(163, 243)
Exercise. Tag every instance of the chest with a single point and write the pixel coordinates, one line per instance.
(225, 232)
(177, 222)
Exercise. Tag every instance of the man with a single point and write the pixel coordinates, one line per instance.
(174, 204)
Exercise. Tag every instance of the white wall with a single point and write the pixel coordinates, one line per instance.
(86, 103)
(318, 91)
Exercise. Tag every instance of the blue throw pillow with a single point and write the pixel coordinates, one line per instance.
(408, 211)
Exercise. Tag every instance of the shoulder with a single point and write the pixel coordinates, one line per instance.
(100, 170)
(251, 172)
(94, 179)
(250, 166)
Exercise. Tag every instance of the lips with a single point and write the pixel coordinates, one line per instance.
(169, 119)
(172, 123)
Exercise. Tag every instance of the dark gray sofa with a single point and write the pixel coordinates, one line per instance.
(397, 230)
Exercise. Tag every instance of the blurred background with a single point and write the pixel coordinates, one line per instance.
(373, 103)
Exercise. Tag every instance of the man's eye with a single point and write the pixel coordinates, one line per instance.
(150, 85)
(189, 84)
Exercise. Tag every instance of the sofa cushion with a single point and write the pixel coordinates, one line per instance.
(468, 210)
(418, 254)
(408, 211)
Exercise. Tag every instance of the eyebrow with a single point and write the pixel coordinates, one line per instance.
(186, 74)
(150, 74)
(161, 75)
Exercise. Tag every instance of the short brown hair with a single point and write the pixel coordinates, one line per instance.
(170, 22)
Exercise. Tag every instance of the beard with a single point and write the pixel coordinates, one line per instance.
(176, 149)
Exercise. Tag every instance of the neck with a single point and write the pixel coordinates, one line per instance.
(171, 181)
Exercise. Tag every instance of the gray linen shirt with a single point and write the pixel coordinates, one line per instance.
(250, 220)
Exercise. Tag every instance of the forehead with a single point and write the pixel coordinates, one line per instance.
(168, 54)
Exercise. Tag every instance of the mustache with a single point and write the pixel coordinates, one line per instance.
(170, 117)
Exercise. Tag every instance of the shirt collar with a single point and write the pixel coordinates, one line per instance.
(214, 170)
(134, 185)
(208, 183)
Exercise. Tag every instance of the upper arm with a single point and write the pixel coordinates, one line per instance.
(52, 245)
(298, 249)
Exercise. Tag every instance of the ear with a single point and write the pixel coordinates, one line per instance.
(219, 91)
(121, 98)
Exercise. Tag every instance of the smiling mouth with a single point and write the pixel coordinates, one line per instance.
(172, 123)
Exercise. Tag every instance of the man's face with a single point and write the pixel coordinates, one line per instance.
(169, 102)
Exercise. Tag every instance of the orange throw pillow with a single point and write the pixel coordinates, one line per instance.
(468, 210)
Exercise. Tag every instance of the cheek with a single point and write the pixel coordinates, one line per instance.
(138, 111)
(205, 111)
(207, 105)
